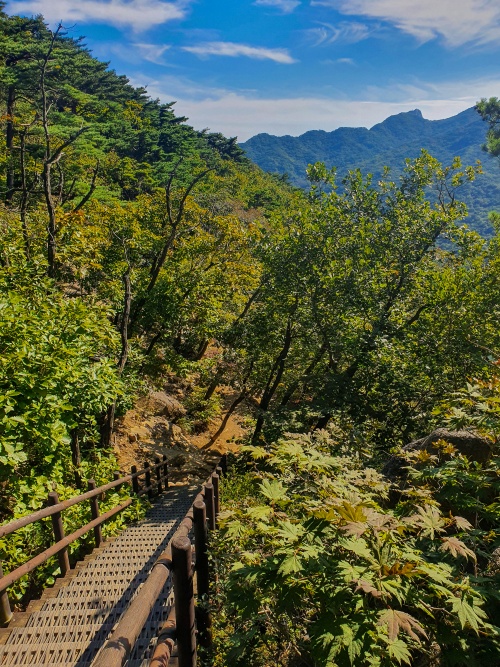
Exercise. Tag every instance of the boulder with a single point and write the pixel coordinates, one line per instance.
(494, 563)
(161, 403)
(472, 445)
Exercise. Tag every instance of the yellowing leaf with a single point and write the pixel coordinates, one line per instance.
(262, 512)
(456, 547)
(462, 524)
(351, 513)
(399, 620)
(367, 587)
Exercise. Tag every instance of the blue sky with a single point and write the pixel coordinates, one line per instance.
(287, 66)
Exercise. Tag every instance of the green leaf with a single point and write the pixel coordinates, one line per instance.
(291, 564)
(399, 651)
(357, 546)
(259, 512)
(273, 489)
(290, 532)
(468, 614)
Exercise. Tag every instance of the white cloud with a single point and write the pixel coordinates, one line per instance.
(138, 15)
(345, 31)
(456, 21)
(286, 6)
(234, 50)
(244, 115)
(153, 53)
(338, 61)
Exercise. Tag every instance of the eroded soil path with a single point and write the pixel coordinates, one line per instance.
(154, 427)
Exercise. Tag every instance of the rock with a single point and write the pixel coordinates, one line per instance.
(132, 437)
(494, 563)
(161, 403)
(176, 436)
(178, 461)
(472, 445)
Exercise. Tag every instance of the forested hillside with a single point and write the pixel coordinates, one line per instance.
(132, 243)
(387, 145)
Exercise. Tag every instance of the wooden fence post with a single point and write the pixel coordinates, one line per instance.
(165, 471)
(135, 480)
(116, 475)
(148, 480)
(215, 482)
(209, 502)
(202, 573)
(57, 527)
(159, 488)
(5, 610)
(94, 512)
(184, 601)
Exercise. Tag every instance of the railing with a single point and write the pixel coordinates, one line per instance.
(186, 625)
(62, 541)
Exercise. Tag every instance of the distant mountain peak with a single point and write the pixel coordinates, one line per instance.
(388, 143)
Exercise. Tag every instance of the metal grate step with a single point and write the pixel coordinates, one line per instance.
(70, 628)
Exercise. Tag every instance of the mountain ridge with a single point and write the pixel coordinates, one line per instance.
(388, 143)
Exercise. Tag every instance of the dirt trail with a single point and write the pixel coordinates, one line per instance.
(150, 430)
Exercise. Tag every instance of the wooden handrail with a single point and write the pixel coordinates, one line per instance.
(118, 647)
(11, 527)
(35, 562)
(62, 542)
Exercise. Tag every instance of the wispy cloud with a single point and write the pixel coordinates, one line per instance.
(286, 6)
(244, 114)
(458, 22)
(234, 50)
(139, 15)
(153, 53)
(346, 32)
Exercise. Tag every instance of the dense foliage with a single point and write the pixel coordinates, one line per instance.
(324, 561)
(126, 241)
(387, 144)
(130, 243)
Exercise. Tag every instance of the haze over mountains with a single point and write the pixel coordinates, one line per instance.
(388, 144)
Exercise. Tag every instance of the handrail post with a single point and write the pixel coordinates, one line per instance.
(57, 527)
(116, 476)
(202, 573)
(209, 502)
(94, 511)
(159, 488)
(5, 610)
(135, 480)
(148, 480)
(165, 471)
(215, 482)
(184, 601)
(223, 463)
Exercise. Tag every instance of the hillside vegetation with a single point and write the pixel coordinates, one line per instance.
(388, 144)
(131, 243)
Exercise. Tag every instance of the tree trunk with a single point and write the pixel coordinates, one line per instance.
(9, 144)
(271, 386)
(51, 226)
(304, 377)
(76, 457)
(213, 386)
(228, 414)
(108, 418)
